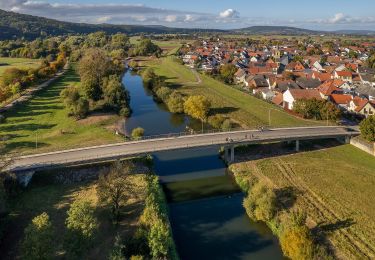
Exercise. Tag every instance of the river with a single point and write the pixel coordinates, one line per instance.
(206, 212)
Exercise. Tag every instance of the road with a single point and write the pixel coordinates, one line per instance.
(174, 143)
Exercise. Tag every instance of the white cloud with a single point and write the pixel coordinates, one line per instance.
(230, 13)
(171, 18)
(104, 19)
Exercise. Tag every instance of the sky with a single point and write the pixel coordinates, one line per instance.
(212, 14)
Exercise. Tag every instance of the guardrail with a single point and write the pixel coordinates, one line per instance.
(238, 141)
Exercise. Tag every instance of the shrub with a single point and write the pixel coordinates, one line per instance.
(163, 93)
(216, 121)
(38, 241)
(296, 243)
(227, 125)
(125, 112)
(137, 133)
(176, 103)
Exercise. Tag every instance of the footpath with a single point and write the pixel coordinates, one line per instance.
(28, 94)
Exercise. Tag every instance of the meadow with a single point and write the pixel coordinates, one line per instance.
(21, 63)
(42, 124)
(334, 186)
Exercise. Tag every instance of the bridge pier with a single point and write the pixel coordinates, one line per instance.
(297, 145)
(226, 154)
(232, 154)
(347, 139)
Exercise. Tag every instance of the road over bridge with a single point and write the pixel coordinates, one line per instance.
(178, 141)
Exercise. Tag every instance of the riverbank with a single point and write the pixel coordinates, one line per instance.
(245, 110)
(331, 183)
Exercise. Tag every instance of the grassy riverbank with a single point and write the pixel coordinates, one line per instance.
(333, 186)
(44, 121)
(244, 109)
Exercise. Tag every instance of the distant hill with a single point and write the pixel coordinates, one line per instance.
(283, 30)
(15, 25)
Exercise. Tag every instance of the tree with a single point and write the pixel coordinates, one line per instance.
(38, 241)
(296, 243)
(367, 127)
(114, 187)
(77, 105)
(227, 72)
(81, 225)
(159, 239)
(163, 93)
(114, 93)
(137, 133)
(371, 61)
(316, 109)
(92, 68)
(197, 107)
(176, 102)
(147, 47)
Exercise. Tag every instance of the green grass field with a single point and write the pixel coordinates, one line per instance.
(54, 199)
(335, 186)
(45, 119)
(21, 63)
(246, 110)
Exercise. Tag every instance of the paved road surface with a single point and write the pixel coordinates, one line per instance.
(174, 143)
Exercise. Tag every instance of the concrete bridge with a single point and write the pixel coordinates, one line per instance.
(228, 140)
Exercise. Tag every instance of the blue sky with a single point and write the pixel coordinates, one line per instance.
(316, 14)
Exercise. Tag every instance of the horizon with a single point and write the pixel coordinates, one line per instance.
(336, 15)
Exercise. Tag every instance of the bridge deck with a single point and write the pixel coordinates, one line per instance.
(173, 143)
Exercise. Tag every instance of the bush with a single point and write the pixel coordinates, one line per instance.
(260, 204)
(38, 241)
(125, 112)
(297, 243)
(367, 127)
(216, 121)
(137, 133)
(163, 93)
(176, 103)
(227, 125)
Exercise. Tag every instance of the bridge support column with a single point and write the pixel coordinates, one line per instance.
(297, 145)
(347, 139)
(232, 154)
(226, 154)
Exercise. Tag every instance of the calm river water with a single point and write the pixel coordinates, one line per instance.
(206, 212)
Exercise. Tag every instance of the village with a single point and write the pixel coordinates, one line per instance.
(285, 70)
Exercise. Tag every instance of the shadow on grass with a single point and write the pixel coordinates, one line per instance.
(222, 110)
(23, 145)
(26, 127)
(286, 197)
(270, 150)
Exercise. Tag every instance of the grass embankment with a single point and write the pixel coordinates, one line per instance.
(45, 119)
(334, 186)
(20, 63)
(244, 109)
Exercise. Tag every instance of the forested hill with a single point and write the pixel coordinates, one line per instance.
(15, 25)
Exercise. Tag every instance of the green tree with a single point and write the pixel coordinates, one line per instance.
(367, 127)
(81, 226)
(77, 105)
(371, 61)
(159, 239)
(147, 47)
(92, 68)
(197, 107)
(114, 93)
(164, 93)
(137, 133)
(38, 241)
(176, 102)
(227, 72)
(114, 187)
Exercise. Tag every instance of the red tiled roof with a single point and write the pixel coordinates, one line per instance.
(305, 93)
(328, 87)
(341, 98)
(344, 73)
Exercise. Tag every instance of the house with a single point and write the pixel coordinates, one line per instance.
(329, 87)
(291, 95)
(240, 76)
(308, 83)
(257, 81)
(343, 75)
(341, 100)
(365, 90)
(278, 99)
(294, 66)
(362, 106)
(321, 76)
(265, 92)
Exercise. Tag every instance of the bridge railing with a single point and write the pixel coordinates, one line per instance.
(108, 156)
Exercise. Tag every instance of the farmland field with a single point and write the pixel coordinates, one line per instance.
(335, 186)
(21, 63)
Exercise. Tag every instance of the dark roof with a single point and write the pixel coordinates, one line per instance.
(308, 83)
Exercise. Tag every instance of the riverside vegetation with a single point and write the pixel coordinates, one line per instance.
(122, 209)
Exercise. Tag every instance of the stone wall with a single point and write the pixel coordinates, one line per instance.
(364, 145)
